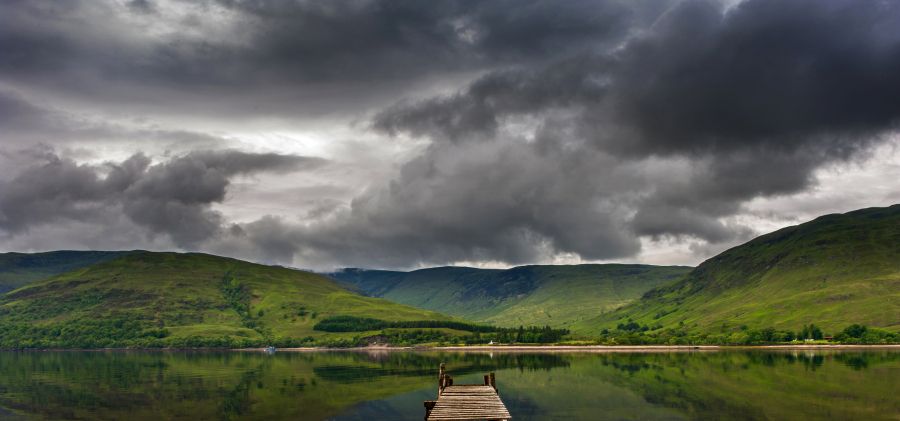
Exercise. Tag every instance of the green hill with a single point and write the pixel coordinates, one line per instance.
(562, 296)
(155, 299)
(18, 269)
(832, 271)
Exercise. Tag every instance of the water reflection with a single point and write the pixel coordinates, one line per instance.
(392, 385)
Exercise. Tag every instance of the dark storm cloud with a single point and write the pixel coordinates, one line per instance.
(141, 6)
(772, 73)
(742, 103)
(491, 202)
(782, 74)
(484, 208)
(477, 112)
(173, 197)
(443, 29)
(266, 56)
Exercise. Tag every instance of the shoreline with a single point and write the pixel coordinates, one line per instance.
(588, 348)
(507, 348)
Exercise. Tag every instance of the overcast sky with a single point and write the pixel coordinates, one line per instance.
(402, 134)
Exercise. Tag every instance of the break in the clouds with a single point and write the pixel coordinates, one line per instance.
(402, 134)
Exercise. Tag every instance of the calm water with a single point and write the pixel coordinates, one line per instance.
(372, 386)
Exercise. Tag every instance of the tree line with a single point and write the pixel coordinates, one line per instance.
(480, 333)
(633, 333)
(363, 324)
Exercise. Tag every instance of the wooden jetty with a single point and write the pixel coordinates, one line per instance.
(466, 401)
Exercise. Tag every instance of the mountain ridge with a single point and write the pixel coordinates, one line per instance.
(180, 299)
(555, 295)
(832, 271)
(19, 269)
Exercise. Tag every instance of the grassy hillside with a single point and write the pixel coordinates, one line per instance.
(559, 296)
(833, 271)
(182, 299)
(19, 269)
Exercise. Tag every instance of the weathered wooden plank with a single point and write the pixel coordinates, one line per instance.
(470, 392)
(476, 393)
(478, 401)
(456, 394)
(462, 403)
(482, 403)
(471, 411)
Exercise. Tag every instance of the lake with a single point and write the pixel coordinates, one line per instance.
(732, 385)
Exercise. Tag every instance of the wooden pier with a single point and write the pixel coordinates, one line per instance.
(466, 401)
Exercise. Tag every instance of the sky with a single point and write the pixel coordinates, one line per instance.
(406, 134)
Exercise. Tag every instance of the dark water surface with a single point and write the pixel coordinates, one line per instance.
(733, 385)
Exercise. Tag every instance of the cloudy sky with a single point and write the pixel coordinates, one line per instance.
(402, 134)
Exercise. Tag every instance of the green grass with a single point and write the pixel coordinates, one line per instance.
(833, 271)
(183, 294)
(559, 296)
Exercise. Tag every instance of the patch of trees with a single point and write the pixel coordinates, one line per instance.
(860, 334)
(411, 337)
(810, 331)
(481, 333)
(350, 324)
(90, 333)
(528, 335)
(363, 324)
(632, 326)
(237, 295)
(632, 333)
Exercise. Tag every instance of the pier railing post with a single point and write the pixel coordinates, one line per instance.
(441, 379)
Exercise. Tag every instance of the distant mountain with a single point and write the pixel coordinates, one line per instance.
(188, 299)
(18, 269)
(557, 295)
(833, 271)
